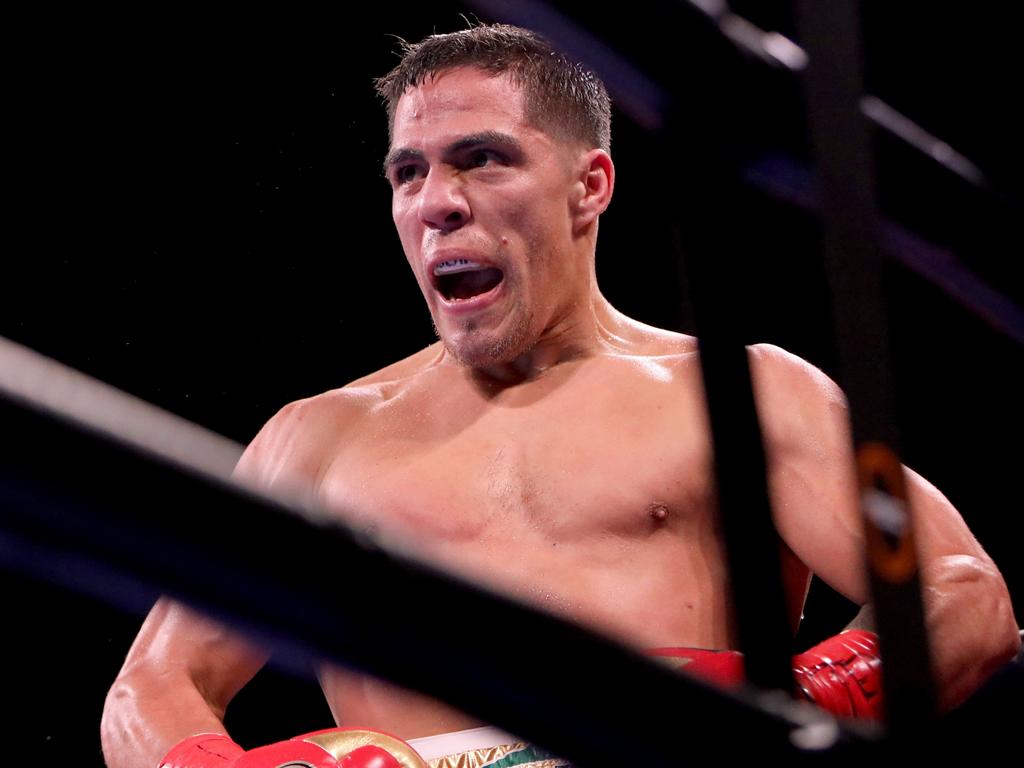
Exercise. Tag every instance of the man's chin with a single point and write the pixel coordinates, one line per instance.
(480, 351)
(476, 355)
(479, 342)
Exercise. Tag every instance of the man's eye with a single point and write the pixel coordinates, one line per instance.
(406, 173)
(481, 158)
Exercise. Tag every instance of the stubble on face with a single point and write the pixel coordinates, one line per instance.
(476, 348)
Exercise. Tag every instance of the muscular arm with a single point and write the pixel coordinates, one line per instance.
(183, 669)
(178, 678)
(815, 498)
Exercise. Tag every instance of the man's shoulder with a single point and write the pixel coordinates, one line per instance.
(779, 373)
(392, 378)
(798, 404)
(776, 372)
(292, 444)
(343, 407)
(303, 435)
(649, 341)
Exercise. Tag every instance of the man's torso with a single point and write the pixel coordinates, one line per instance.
(586, 492)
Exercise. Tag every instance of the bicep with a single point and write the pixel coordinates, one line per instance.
(813, 488)
(817, 513)
(183, 648)
(815, 495)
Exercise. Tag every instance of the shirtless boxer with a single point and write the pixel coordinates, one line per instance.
(547, 445)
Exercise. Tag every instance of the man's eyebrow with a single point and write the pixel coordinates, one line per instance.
(498, 138)
(494, 138)
(396, 156)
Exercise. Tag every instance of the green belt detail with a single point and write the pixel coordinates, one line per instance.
(520, 757)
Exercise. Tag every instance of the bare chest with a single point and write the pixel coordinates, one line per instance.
(593, 502)
(574, 466)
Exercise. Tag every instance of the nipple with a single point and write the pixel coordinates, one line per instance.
(658, 511)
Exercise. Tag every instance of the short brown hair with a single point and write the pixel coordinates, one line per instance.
(562, 97)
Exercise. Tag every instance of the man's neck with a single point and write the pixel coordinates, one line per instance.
(570, 339)
(527, 366)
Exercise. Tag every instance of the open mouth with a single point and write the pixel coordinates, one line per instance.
(461, 279)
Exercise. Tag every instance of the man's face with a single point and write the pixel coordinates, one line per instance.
(481, 200)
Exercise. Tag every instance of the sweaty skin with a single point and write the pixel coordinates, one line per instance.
(547, 446)
(490, 483)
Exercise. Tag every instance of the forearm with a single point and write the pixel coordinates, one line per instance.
(970, 622)
(971, 628)
(145, 714)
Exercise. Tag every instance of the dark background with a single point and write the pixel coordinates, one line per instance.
(198, 217)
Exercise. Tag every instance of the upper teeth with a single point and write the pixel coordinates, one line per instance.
(455, 265)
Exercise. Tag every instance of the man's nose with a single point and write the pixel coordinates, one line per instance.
(443, 203)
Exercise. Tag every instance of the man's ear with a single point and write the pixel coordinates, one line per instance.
(594, 185)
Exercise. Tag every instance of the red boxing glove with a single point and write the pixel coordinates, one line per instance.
(332, 748)
(843, 674)
(724, 668)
